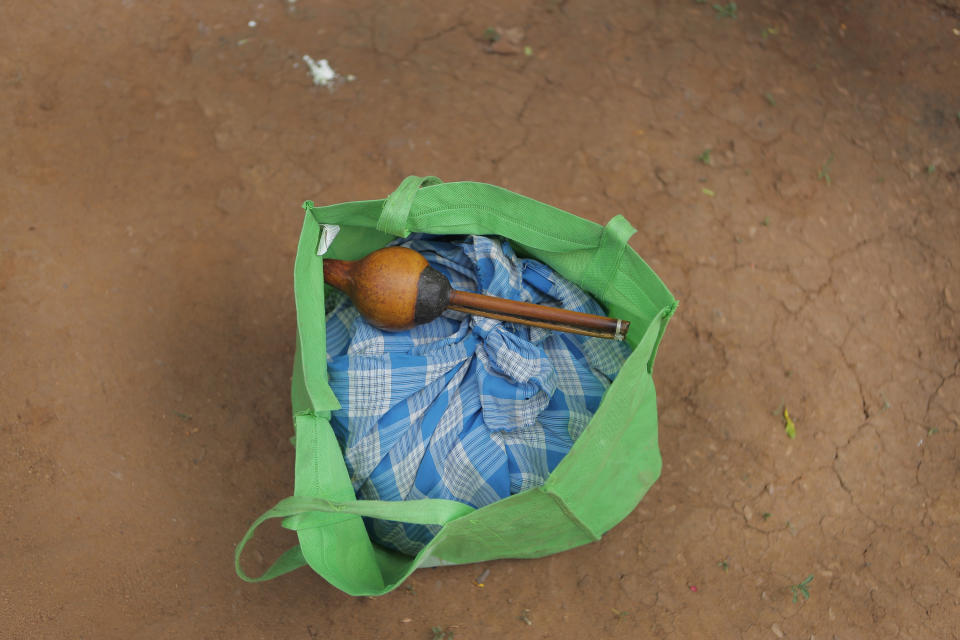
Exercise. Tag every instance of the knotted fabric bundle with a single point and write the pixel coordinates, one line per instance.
(464, 408)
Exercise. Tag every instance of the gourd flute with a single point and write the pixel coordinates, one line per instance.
(395, 288)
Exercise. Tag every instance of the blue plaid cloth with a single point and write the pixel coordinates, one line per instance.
(464, 408)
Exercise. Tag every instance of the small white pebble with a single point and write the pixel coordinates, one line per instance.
(776, 630)
(320, 71)
(252, 24)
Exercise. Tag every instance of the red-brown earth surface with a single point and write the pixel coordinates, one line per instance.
(153, 159)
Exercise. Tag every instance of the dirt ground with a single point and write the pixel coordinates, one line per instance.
(153, 159)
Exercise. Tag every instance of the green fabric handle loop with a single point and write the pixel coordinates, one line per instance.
(602, 269)
(396, 208)
(425, 511)
(290, 560)
(302, 512)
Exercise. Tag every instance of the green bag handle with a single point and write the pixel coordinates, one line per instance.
(598, 274)
(303, 512)
(458, 208)
(291, 559)
(603, 267)
(396, 208)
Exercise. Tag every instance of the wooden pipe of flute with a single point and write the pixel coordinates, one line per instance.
(395, 288)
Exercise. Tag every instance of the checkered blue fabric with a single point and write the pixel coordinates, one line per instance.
(464, 408)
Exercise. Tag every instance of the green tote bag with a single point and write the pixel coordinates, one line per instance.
(599, 482)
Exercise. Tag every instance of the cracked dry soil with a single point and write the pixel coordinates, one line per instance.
(154, 158)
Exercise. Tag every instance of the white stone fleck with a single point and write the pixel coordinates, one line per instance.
(321, 71)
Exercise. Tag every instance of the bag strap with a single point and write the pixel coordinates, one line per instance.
(290, 560)
(396, 208)
(302, 512)
(603, 267)
(425, 511)
(463, 208)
